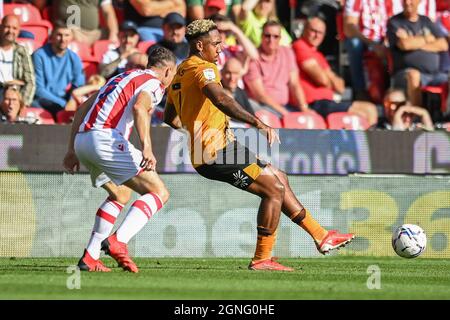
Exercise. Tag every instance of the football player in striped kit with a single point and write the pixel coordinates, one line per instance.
(100, 141)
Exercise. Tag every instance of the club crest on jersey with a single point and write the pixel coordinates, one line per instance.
(121, 147)
(209, 74)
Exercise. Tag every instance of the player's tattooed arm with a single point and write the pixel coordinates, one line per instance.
(230, 106)
(171, 117)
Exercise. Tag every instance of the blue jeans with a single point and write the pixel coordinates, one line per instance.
(355, 49)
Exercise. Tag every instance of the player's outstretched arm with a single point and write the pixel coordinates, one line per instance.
(71, 162)
(232, 108)
(171, 117)
(141, 114)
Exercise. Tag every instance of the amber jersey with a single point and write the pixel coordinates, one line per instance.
(206, 124)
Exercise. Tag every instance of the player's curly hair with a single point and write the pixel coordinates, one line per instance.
(198, 28)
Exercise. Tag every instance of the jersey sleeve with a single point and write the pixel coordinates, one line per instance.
(207, 74)
(154, 90)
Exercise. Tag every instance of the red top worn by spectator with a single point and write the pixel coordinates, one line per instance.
(313, 92)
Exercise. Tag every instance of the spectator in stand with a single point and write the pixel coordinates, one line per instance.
(365, 29)
(231, 75)
(11, 104)
(115, 60)
(415, 43)
(213, 7)
(254, 14)
(199, 9)
(58, 71)
(400, 115)
(84, 20)
(137, 60)
(174, 29)
(81, 94)
(318, 80)
(234, 43)
(275, 74)
(149, 15)
(16, 66)
(426, 8)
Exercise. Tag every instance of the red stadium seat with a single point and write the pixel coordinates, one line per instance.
(43, 115)
(63, 117)
(90, 68)
(82, 50)
(269, 118)
(144, 45)
(100, 47)
(40, 34)
(347, 121)
(303, 120)
(28, 14)
(441, 90)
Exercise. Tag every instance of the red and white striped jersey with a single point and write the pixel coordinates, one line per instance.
(113, 108)
(426, 8)
(372, 17)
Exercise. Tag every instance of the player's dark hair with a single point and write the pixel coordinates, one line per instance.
(160, 56)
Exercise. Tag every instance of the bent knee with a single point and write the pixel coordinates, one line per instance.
(413, 76)
(163, 194)
(121, 196)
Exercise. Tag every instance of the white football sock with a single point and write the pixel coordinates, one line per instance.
(138, 215)
(104, 223)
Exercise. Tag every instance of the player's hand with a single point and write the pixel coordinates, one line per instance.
(271, 134)
(148, 160)
(71, 162)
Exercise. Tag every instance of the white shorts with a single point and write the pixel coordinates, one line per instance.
(108, 156)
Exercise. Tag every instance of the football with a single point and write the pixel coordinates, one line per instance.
(409, 241)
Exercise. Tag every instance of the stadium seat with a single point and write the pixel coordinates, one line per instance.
(27, 13)
(46, 13)
(43, 115)
(303, 120)
(40, 34)
(64, 117)
(90, 68)
(347, 121)
(82, 50)
(144, 45)
(269, 118)
(100, 47)
(442, 91)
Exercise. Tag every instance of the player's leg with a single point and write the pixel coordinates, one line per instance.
(154, 195)
(272, 192)
(107, 213)
(292, 208)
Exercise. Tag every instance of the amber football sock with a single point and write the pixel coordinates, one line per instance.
(264, 245)
(310, 225)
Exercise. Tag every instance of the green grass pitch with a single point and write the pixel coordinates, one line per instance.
(223, 278)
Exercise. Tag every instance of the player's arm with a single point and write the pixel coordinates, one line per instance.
(231, 108)
(141, 114)
(171, 117)
(71, 162)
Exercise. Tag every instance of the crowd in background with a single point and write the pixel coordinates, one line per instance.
(383, 62)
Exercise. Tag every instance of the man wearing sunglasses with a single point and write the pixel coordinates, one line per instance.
(401, 115)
